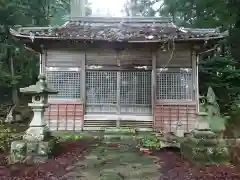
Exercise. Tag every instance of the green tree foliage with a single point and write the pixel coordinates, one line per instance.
(61, 10)
(220, 73)
(140, 7)
(18, 66)
(234, 37)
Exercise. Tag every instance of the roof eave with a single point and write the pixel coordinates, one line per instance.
(180, 40)
(28, 38)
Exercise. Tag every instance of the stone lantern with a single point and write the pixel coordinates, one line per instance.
(37, 143)
(202, 116)
(203, 145)
(39, 92)
(180, 129)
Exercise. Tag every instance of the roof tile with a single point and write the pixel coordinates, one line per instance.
(117, 29)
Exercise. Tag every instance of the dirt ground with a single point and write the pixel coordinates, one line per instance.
(94, 160)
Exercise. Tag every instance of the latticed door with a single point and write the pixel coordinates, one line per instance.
(124, 92)
(135, 92)
(101, 88)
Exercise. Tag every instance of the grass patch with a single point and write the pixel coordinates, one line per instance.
(9, 133)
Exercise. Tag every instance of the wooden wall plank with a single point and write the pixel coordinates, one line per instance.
(64, 58)
(99, 56)
(167, 116)
(180, 57)
(65, 116)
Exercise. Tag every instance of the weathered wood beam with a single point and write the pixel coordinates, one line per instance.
(194, 59)
(154, 66)
(83, 85)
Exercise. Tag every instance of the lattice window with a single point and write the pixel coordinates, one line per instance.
(101, 87)
(174, 84)
(135, 87)
(66, 82)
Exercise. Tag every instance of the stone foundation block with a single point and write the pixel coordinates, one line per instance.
(23, 151)
(31, 147)
(205, 154)
(200, 134)
(203, 142)
(120, 131)
(18, 151)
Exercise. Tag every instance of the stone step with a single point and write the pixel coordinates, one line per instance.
(110, 174)
(119, 139)
(126, 131)
(206, 134)
(118, 136)
(128, 164)
(129, 143)
(202, 142)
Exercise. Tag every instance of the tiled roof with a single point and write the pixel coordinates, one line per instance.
(135, 29)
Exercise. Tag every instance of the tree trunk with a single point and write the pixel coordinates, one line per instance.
(15, 97)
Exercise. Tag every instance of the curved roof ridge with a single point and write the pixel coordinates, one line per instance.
(134, 29)
(179, 28)
(207, 30)
(130, 19)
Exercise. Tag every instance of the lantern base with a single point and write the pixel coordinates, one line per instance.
(32, 152)
(203, 125)
(37, 133)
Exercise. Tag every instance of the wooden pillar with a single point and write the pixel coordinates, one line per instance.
(83, 86)
(154, 64)
(118, 48)
(118, 98)
(195, 92)
(83, 79)
(40, 63)
(118, 90)
(42, 60)
(197, 82)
